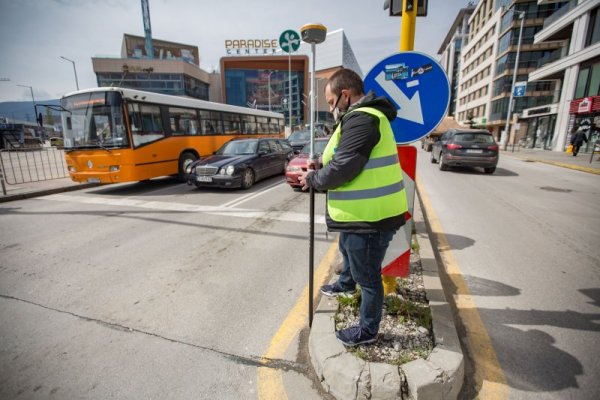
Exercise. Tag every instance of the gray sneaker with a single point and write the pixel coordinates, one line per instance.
(335, 290)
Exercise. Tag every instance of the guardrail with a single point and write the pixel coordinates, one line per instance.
(32, 165)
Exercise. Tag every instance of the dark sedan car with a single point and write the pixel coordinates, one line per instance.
(240, 163)
(466, 147)
(299, 139)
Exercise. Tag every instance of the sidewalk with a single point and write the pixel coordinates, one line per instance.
(559, 159)
(41, 188)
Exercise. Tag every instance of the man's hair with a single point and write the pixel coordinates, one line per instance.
(346, 79)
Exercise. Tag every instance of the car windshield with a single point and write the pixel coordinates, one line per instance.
(474, 137)
(319, 147)
(237, 148)
(93, 120)
(299, 136)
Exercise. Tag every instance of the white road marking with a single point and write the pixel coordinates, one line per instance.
(251, 196)
(228, 211)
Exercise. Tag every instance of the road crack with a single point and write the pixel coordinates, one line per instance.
(253, 361)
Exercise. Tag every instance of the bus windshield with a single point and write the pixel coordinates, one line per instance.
(94, 120)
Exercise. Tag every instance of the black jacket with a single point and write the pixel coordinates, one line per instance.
(578, 138)
(359, 135)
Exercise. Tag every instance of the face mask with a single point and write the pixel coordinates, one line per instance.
(338, 113)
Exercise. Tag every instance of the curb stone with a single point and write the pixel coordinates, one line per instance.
(348, 377)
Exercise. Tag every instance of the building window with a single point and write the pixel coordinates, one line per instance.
(588, 81)
(593, 33)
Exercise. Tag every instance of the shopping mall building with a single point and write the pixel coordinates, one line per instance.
(253, 73)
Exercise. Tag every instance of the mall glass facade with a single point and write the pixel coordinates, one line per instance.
(172, 84)
(266, 90)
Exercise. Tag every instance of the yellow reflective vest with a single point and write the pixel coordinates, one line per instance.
(378, 191)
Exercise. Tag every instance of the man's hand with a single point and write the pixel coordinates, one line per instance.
(311, 166)
(302, 179)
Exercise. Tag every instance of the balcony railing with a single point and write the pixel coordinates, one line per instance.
(560, 13)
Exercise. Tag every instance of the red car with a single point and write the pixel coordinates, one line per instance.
(299, 163)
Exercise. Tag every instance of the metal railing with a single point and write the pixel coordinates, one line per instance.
(24, 165)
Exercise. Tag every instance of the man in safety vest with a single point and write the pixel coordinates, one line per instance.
(366, 199)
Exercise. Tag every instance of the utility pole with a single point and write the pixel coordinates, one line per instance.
(512, 87)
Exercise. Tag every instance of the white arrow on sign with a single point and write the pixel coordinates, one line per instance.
(410, 109)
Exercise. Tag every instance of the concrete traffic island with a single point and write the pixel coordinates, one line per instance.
(346, 376)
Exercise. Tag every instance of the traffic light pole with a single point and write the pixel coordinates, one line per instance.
(407, 43)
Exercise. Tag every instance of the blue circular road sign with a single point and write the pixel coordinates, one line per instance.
(418, 86)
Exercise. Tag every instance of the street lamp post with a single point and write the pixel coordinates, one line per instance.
(512, 87)
(32, 98)
(74, 70)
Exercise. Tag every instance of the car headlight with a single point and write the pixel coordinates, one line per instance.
(229, 170)
(293, 168)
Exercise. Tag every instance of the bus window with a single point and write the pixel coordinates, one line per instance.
(249, 126)
(273, 125)
(183, 121)
(231, 124)
(263, 124)
(210, 122)
(146, 124)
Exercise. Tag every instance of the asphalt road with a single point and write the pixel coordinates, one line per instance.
(153, 290)
(526, 241)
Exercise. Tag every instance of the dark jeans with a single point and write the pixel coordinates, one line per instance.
(363, 254)
(576, 148)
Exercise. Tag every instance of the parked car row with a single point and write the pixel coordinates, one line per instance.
(466, 147)
(240, 163)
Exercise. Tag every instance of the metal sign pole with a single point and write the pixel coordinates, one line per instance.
(313, 34)
(290, 89)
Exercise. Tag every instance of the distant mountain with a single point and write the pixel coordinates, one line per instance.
(23, 110)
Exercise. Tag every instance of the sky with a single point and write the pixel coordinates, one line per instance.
(35, 33)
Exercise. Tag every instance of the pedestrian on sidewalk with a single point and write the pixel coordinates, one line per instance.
(577, 140)
(366, 199)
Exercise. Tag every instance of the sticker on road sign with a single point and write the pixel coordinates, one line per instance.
(419, 88)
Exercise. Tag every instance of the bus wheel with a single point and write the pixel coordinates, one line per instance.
(184, 160)
(247, 178)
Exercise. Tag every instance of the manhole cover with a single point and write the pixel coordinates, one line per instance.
(553, 189)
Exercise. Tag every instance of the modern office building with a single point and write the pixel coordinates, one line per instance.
(450, 49)
(531, 56)
(477, 65)
(576, 71)
(173, 69)
(331, 55)
(488, 64)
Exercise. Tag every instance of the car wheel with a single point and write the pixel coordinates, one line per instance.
(247, 178)
(442, 166)
(184, 160)
(490, 170)
(432, 158)
(285, 165)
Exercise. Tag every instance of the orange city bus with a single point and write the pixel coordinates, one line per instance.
(122, 135)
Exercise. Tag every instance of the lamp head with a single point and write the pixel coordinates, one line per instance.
(313, 33)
